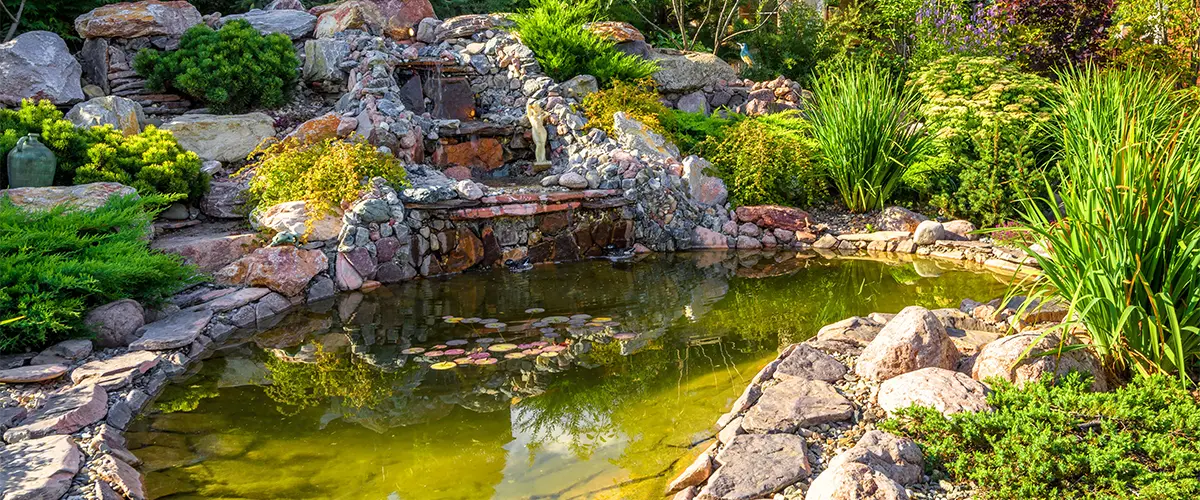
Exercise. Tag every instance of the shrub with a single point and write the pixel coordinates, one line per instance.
(689, 130)
(151, 161)
(862, 119)
(231, 70)
(986, 119)
(1049, 34)
(768, 160)
(450, 8)
(1062, 441)
(56, 265)
(638, 99)
(791, 46)
(554, 30)
(1124, 234)
(881, 32)
(1160, 34)
(324, 175)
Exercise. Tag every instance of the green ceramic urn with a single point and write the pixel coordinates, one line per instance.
(31, 164)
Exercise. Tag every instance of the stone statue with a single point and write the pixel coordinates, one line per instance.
(537, 117)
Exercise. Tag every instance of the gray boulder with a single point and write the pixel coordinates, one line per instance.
(123, 114)
(580, 86)
(225, 138)
(116, 323)
(293, 23)
(38, 65)
(634, 135)
(682, 72)
(321, 59)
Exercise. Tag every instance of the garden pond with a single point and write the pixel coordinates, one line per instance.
(595, 379)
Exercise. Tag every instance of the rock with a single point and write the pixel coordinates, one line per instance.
(137, 362)
(616, 31)
(292, 217)
(468, 189)
(999, 359)
(695, 102)
(39, 469)
(960, 230)
(466, 254)
(234, 300)
(914, 339)
(693, 475)
(794, 403)
(946, 391)
(284, 269)
(81, 197)
(285, 4)
(293, 23)
(897, 458)
(208, 251)
(64, 352)
(138, 19)
(774, 217)
(703, 238)
(223, 445)
(633, 135)
(64, 413)
(580, 86)
(704, 189)
(928, 233)
(393, 18)
(682, 72)
(572, 180)
(745, 242)
(484, 152)
(319, 129)
(123, 114)
(826, 242)
(468, 25)
(38, 65)
(174, 331)
(224, 138)
(899, 219)
(854, 481)
(225, 199)
(808, 363)
(753, 466)
(321, 59)
(123, 477)
(347, 277)
(32, 373)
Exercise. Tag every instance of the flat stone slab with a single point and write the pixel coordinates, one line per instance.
(795, 403)
(808, 362)
(39, 469)
(946, 391)
(64, 413)
(231, 301)
(141, 361)
(876, 236)
(30, 374)
(178, 330)
(754, 466)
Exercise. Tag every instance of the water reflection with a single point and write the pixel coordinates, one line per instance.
(347, 399)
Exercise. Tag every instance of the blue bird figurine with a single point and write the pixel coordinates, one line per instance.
(746, 57)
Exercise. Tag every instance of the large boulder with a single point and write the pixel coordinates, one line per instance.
(208, 250)
(224, 138)
(292, 217)
(81, 197)
(707, 190)
(636, 136)
(39, 468)
(393, 18)
(878, 467)
(38, 65)
(999, 359)
(225, 199)
(616, 31)
(284, 269)
(899, 219)
(795, 403)
(293, 23)
(683, 72)
(946, 391)
(774, 217)
(754, 466)
(914, 339)
(138, 19)
(123, 114)
(929, 232)
(116, 323)
(321, 59)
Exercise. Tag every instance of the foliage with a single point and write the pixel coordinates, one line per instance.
(554, 30)
(689, 130)
(768, 160)
(323, 174)
(1062, 441)
(57, 16)
(862, 119)
(986, 119)
(1049, 34)
(880, 32)
(446, 9)
(1159, 34)
(56, 265)
(231, 70)
(151, 161)
(791, 46)
(638, 99)
(946, 27)
(305, 385)
(1124, 236)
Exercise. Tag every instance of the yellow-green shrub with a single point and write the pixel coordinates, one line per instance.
(768, 160)
(323, 174)
(637, 99)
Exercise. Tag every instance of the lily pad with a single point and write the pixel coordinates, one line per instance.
(456, 342)
(479, 355)
(551, 335)
(413, 350)
(444, 365)
(534, 310)
(612, 323)
(497, 325)
(594, 324)
(471, 320)
(531, 352)
(438, 347)
(486, 361)
(548, 354)
(514, 355)
(464, 360)
(540, 343)
(502, 347)
(453, 320)
(602, 319)
(554, 348)
(434, 354)
(584, 317)
(556, 319)
(455, 352)
(485, 340)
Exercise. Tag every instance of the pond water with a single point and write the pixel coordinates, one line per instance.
(344, 400)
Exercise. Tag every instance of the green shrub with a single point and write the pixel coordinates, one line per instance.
(791, 46)
(151, 161)
(881, 32)
(768, 160)
(1124, 234)
(1062, 441)
(638, 99)
(863, 120)
(324, 174)
(554, 30)
(689, 130)
(231, 70)
(446, 9)
(989, 147)
(56, 265)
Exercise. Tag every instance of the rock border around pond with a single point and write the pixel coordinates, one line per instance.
(804, 428)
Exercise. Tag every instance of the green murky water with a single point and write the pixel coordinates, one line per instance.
(327, 404)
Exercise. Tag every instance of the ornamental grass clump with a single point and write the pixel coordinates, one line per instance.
(863, 120)
(56, 265)
(325, 175)
(1123, 242)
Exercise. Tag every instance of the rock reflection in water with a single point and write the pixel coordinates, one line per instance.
(343, 400)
